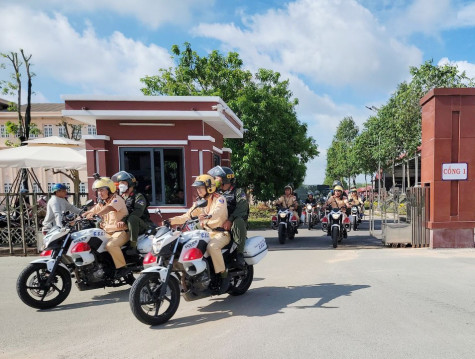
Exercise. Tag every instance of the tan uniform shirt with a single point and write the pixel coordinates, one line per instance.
(356, 201)
(109, 220)
(217, 208)
(287, 201)
(336, 202)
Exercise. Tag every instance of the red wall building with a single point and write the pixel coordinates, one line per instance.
(165, 141)
(448, 139)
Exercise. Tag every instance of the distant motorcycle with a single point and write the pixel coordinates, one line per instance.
(355, 217)
(312, 215)
(286, 223)
(337, 226)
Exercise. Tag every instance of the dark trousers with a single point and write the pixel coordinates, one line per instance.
(239, 232)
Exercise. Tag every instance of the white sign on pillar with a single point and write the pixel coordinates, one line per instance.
(454, 171)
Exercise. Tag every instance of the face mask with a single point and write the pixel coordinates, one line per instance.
(123, 188)
(217, 181)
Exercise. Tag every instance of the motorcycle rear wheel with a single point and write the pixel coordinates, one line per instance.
(335, 236)
(240, 285)
(282, 234)
(32, 290)
(144, 302)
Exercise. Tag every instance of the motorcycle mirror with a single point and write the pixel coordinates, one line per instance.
(89, 203)
(201, 203)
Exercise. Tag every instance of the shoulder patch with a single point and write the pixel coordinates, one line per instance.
(243, 195)
(114, 201)
(141, 202)
(221, 200)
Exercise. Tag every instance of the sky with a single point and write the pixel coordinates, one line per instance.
(339, 56)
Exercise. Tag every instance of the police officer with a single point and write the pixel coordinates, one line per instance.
(288, 200)
(238, 207)
(212, 219)
(111, 207)
(138, 220)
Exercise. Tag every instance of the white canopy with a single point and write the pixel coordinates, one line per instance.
(47, 156)
(54, 140)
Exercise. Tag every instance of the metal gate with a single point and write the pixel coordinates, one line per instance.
(418, 214)
(21, 216)
(409, 227)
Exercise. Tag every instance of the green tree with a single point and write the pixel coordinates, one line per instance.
(341, 160)
(275, 147)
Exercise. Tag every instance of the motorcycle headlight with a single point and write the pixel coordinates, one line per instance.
(309, 207)
(156, 245)
(283, 215)
(336, 215)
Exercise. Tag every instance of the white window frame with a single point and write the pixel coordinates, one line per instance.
(3, 132)
(49, 128)
(91, 130)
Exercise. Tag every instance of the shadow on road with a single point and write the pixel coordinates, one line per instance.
(256, 302)
(105, 299)
(316, 239)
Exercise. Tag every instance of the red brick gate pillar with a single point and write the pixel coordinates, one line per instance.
(448, 137)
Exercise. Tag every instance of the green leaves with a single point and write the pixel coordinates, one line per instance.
(275, 147)
(341, 159)
(395, 131)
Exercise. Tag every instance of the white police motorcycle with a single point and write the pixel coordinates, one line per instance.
(76, 250)
(179, 262)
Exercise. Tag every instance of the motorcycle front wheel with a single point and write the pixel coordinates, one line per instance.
(282, 234)
(239, 285)
(335, 235)
(32, 288)
(145, 302)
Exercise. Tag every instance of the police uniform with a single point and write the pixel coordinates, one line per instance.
(138, 220)
(117, 236)
(287, 202)
(238, 210)
(219, 238)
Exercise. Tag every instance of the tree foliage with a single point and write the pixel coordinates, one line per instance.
(14, 87)
(275, 147)
(341, 155)
(394, 132)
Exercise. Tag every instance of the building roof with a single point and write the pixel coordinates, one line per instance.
(209, 109)
(45, 107)
(37, 109)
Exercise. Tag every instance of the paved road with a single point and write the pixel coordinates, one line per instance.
(307, 301)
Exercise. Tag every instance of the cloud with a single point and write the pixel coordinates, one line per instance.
(96, 65)
(466, 66)
(338, 43)
(152, 13)
(430, 18)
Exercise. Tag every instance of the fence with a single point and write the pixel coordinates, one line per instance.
(418, 214)
(408, 227)
(21, 217)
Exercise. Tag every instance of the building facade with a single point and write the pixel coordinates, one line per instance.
(47, 117)
(165, 141)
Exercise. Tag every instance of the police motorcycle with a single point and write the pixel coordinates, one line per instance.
(334, 224)
(76, 250)
(312, 214)
(355, 217)
(286, 224)
(181, 264)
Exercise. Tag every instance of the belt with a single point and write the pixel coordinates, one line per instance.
(122, 230)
